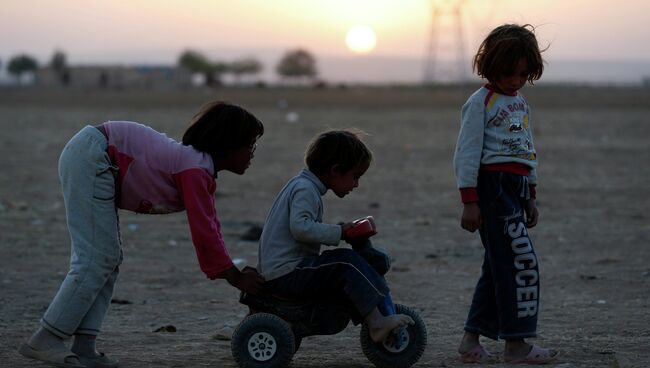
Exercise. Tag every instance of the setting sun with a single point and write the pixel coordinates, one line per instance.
(361, 39)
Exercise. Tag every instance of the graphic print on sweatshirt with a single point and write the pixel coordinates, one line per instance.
(509, 122)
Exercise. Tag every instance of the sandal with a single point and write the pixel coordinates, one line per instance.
(478, 354)
(99, 361)
(62, 358)
(536, 355)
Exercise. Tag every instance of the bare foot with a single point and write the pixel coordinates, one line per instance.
(517, 349)
(382, 326)
(468, 342)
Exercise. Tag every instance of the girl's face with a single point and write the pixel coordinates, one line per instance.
(342, 183)
(510, 84)
(238, 160)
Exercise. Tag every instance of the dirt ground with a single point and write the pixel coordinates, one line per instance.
(592, 239)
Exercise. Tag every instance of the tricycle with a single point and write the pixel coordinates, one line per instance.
(273, 330)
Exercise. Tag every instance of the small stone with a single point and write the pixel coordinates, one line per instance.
(168, 328)
(292, 117)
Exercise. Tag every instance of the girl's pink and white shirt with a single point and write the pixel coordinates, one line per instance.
(159, 175)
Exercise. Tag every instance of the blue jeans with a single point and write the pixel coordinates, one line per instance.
(380, 262)
(88, 181)
(506, 297)
(337, 274)
(377, 259)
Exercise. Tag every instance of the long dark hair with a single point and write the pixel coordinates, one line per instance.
(221, 127)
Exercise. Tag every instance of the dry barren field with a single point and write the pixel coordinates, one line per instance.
(592, 239)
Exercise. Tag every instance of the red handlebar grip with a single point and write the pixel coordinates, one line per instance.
(362, 228)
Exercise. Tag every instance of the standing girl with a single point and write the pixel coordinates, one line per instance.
(130, 166)
(495, 164)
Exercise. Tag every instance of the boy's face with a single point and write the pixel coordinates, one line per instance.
(342, 183)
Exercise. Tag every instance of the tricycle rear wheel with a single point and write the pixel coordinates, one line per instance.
(263, 340)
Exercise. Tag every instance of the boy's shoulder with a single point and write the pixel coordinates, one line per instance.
(299, 182)
(306, 180)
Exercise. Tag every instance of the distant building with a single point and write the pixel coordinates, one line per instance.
(115, 77)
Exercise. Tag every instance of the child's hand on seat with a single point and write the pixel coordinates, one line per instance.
(248, 281)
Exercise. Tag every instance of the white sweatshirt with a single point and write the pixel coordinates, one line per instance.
(293, 229)
(495, 129)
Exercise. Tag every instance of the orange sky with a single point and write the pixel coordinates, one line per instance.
(593, 29)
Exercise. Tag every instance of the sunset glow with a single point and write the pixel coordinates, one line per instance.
(361, 39)
(105, 32)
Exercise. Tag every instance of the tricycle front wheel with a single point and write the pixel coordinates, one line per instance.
(398, 350)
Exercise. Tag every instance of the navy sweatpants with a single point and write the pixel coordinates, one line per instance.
(341, 274)
(506, 298)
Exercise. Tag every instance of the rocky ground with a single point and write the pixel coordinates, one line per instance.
(592, 238)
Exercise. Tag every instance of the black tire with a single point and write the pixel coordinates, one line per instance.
(262, 340)
(390, 355)
(296, 343)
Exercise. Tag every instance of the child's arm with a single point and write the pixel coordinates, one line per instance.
(532, 215)
(197, 189)
(303, 215)
(344, 229)
(469, 148)
(467, 160)
(471, 218)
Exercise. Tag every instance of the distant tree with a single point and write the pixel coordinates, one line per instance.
(197, 63)
(218, 68)
(20, 64)
(59, 64)
(193, 61)
(244, 66)
(297, 63)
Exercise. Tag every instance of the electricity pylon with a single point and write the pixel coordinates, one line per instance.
(445, 51)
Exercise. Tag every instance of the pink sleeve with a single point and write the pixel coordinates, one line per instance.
(197, 190)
